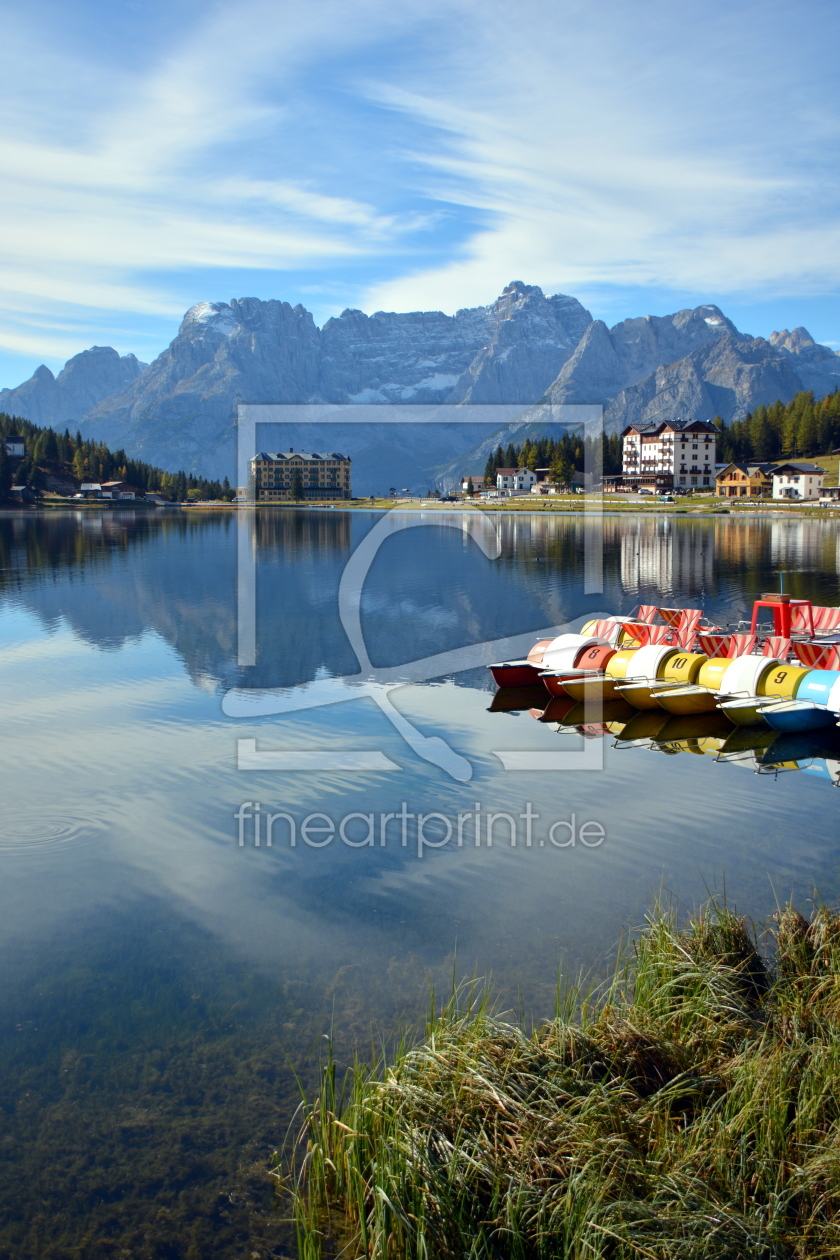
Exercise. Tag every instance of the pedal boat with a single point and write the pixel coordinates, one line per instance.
(789, 700)
(510, 674)
(548, 654)
(792, 716)
(581, 684)
(683, 701)
(699, 692)
(745, 710)
(657, 668)
(641, 692)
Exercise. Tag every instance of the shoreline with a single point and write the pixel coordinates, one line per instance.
(571, 506)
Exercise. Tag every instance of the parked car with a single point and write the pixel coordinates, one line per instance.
(666, 498)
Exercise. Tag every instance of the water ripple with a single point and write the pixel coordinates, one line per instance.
(26, 832)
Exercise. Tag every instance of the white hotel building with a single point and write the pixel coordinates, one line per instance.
(674, 453)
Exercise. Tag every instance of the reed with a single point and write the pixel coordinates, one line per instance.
(688, 1109)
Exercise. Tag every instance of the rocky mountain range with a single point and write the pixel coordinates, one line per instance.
(179, 412)
(83, 382)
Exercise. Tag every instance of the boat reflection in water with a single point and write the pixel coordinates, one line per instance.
(517, 699)
(757, 747)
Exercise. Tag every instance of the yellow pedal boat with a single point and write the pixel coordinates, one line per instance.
(685, 700)
(641, 692)
(746, 710)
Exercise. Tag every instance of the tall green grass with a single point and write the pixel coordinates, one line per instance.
(688, 1109)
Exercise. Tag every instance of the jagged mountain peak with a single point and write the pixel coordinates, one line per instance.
(796, 341)
(85, 380)
(104, 360)
(703, 321)
(712, 315)
(210, 316)
(519, 292)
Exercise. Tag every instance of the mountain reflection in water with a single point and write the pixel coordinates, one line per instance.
(159, 982)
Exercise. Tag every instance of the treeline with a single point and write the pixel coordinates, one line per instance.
(804, 426)
(564, 456)
(61, 455)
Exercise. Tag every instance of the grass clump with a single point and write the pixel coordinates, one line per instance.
(688, 1109)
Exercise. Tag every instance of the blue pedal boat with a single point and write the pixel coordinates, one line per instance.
(792, 716)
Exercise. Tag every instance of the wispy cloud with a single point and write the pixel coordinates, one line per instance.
(174, 168)
(658, 145)
(408, 156)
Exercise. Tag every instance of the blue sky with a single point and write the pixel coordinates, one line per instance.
(412, 156)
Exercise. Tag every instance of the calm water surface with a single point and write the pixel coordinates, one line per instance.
(160, 984)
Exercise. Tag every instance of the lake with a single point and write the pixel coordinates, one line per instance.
(165, 980)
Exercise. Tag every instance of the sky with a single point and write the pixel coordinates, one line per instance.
(642, 157)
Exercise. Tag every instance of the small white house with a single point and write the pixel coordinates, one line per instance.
(797, 481)
(515, 480)
(15, 447)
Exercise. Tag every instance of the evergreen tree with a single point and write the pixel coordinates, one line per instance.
(35, 478)
(297, 485)
(790, 434)
(612, 455)
(562, 471)
(511, 457)
(761, 436)
(528, 456)
(50, 446)
(802, 409)
(775, 415)
(490, 471)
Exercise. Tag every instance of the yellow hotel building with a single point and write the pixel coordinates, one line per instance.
(318, 476)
